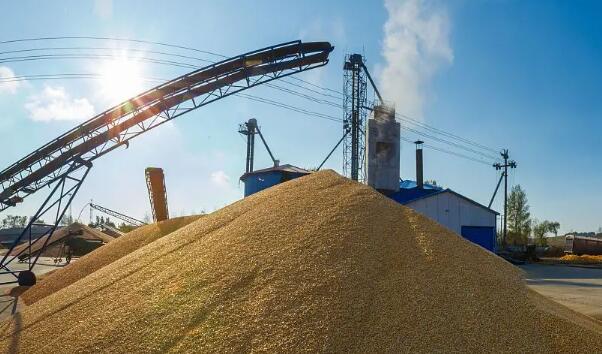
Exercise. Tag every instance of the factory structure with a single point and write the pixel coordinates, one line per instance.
(374, 158)
(466, 217)
(370, 143)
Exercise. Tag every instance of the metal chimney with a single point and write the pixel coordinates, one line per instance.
(419, 165)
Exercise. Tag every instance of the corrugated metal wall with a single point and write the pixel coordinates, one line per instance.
(453, 212)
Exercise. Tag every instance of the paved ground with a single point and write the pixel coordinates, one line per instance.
(575, 287)
(8, 304)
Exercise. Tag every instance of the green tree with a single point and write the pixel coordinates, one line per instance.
(553, 227)
(123, 227)
(540, 229)
(432, 182)
(109, 222)
(11, 221)
(519, 217)
(539, 232)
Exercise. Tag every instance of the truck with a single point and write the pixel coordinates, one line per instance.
(579, 245)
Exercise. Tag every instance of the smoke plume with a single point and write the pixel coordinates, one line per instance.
(415, 46)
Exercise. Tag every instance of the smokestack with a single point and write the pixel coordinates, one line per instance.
(419, 166)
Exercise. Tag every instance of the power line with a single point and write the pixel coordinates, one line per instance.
(135, 50)
(448, 152)
(297, 93)
(309, 89)
(188, 65)
(317, 86)
(115, 39)
(73, 76)
(144, 59)
(289, 107)
(140, 41)
(441, 140)
(246, 96)
(255, 98)
(95, 56)
(442, 132)
(65, 76)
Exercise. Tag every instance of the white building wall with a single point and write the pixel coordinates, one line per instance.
(453, 211)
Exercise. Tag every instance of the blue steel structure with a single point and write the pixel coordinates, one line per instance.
(409, 190)
(480, 235)
(259, 180)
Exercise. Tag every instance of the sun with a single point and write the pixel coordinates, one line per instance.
(120, 78)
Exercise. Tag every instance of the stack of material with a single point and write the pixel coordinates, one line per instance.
(75, 230)
(103, 256)
(319, 263)
(583, 259)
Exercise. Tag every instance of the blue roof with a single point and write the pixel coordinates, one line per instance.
(408, 184)
(408, 190)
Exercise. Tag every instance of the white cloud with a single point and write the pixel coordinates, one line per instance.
(322, 29)
(103, 8)
(220, 178)
(6, 83)
(416, 44)
(54, 103)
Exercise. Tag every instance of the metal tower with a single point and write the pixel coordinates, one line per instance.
(249, 129)
(354, 102)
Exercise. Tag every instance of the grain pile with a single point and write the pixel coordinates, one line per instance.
(102, 256)
(315, 264)
(583, 259)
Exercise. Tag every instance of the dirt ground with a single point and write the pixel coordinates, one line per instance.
(579, 288)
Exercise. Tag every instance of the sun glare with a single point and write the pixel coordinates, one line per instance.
(121, 79)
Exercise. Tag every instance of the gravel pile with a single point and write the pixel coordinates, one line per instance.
(102, 256)
(315, 264)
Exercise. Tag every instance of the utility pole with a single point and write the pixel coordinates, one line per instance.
(498, 166)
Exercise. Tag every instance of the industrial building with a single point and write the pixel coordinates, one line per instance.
(475, 222)
(76, 240)
(471, 220)
(9, 235)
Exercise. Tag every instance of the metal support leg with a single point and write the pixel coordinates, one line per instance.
(56, 204)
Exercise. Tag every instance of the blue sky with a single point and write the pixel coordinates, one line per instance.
(523, 75)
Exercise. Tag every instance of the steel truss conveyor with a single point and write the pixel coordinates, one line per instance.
(64, 162)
